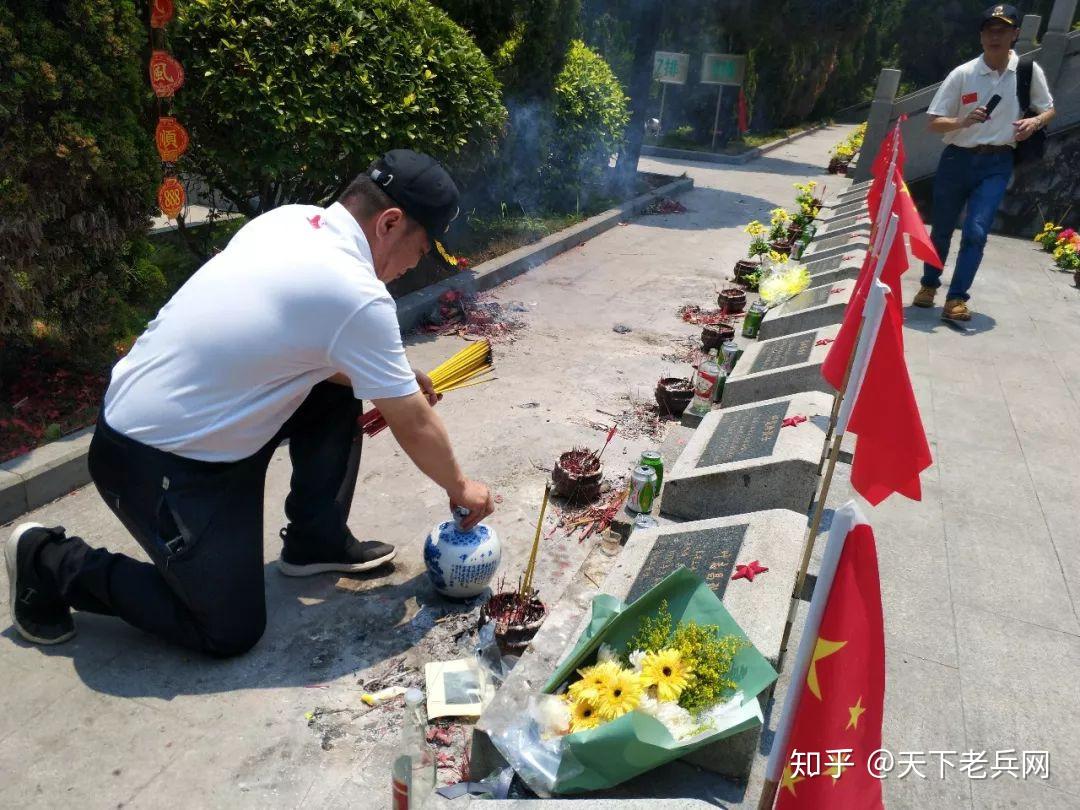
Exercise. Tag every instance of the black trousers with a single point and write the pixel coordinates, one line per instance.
(201, 523)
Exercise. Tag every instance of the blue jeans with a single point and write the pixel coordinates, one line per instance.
(978, 181)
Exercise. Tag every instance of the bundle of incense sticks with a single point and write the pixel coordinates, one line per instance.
(463, 370)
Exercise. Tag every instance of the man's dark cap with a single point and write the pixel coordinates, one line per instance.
(1007, 14)
(420, 185)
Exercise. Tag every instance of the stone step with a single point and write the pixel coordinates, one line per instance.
(779, 367)
(742, 459)
(827, 245)
(811, 309)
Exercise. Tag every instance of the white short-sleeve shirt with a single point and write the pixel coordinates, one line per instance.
(292, 300)
(972, 85)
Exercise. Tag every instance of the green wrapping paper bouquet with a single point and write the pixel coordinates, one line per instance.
(646, 683)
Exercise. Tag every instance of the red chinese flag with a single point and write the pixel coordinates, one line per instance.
(912, 224)
(843, 696)
(891, 450)
(880, 168)
(836, 361)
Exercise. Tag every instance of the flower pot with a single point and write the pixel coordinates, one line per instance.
(713, 337)
(673, 394)
(744, 268)
(818, 203)
(577, 476)
(837, 166)
(515, 623)
(782, 246)
(794, 233)
(732, 299)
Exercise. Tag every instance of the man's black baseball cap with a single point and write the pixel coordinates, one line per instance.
(421, 186)
(1007, 14)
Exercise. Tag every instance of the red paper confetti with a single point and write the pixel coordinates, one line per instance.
(748, 572)
(794, 421)
(315, 221)
(836, 290)
(825, 341)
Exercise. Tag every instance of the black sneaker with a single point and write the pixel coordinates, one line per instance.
(37, 611)
(300, 559)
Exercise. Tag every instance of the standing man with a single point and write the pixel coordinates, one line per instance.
(977, 163)
(280, 336)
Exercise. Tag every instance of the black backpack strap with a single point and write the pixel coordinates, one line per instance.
(1023, 86)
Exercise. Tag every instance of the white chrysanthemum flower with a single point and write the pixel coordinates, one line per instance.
(637, 657)
(552, 715)
(606, 654)
(677, 719)
(648, 704)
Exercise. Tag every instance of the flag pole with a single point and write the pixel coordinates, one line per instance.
(847, 517)
(888, 196)
(856, 370)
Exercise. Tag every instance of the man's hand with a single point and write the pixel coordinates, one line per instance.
(976, 116)
(428, 388)
(475, 497)
(1025, 128)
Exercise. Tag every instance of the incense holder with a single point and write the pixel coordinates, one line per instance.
(459, 563)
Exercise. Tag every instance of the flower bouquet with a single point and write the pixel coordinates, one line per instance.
(647, 683)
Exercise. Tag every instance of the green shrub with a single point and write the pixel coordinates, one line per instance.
(590, 114)
(287, 102)
(77, 168)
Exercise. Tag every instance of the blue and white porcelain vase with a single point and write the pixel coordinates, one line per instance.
(461, 563)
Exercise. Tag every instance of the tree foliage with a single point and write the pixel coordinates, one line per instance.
(77, 166)
(590, 114)
(287, 102)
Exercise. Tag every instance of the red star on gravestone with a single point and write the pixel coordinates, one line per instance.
(316, 221)
(794, 421)
(748, 572)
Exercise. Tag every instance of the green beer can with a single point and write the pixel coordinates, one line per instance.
(651, 458)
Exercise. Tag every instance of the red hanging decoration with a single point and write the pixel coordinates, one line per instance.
(172, 139)
(166, 74)
(161, 12)
(171, 197)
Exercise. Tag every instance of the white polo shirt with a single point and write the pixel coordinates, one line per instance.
(292, 300)
(971, 86)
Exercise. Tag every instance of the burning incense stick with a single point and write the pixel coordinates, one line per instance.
(526, 584)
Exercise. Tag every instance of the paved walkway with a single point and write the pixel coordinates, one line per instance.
(983, 633)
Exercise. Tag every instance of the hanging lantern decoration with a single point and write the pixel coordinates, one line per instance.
(171, 197)
(161, 13)
(171, 138)
(166, 74)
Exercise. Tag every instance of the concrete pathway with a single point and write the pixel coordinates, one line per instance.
(983, 633)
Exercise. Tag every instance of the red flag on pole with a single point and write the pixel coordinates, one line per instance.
(744, 124)
(831, 724)
(894, 140)
(893, 265)
(880, 408)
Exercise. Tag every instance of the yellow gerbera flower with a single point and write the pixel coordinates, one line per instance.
(622, 695)
(668, 672)
(593, 680)
(583, 716)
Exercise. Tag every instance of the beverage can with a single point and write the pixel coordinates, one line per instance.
(642, 489)
(731, 354)
(752, 321)
(651, 458)
(718, 392)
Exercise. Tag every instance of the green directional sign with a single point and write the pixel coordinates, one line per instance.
(671, 68)
(723, 68)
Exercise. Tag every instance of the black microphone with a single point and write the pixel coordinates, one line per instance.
(992, 103)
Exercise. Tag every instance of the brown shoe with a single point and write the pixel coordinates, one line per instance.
(925, 297)
(956, 310)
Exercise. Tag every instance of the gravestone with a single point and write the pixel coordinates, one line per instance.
(834, 225)
(856, 208)
(775, 539)
(814, 308)
(744, 459)
(779, 367)
(835, 268)
(844, 245)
